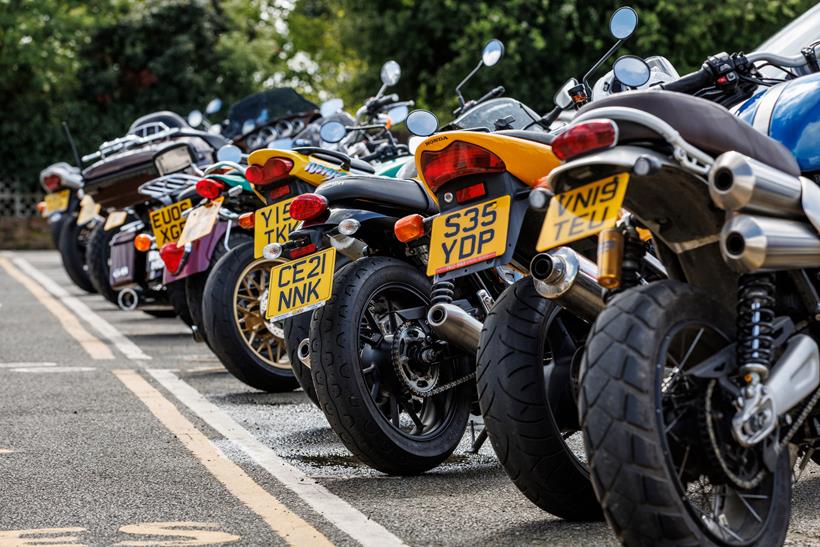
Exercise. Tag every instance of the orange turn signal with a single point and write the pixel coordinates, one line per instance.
(143, 242)
(247, 220)
(543, 182)
(409, 228)
(41, 208)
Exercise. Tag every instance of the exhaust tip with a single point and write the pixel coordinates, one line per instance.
(735, 244)
(542, 266)
(128, 299)
(723, 179)
(437, 315)
(303, 352)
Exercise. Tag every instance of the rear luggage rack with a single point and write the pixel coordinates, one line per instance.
(162, 188)
(149, 132)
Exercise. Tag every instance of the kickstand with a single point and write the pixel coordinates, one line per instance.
(478, 442)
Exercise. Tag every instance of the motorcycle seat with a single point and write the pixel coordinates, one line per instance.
(541, 137)
(704, 124)
(402, 194)
(361, 165)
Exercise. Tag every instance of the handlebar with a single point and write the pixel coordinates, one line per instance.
(497, 92)
(797, 60)
(383, 101)
(691, 82)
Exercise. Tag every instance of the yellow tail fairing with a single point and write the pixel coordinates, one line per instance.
(526, 160)
(308, 168)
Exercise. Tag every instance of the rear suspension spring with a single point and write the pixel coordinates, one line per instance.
(442, 293)
(755, 315)
(634, 251)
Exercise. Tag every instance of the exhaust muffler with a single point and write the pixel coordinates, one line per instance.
(740, 183)
(303, 352)
(752, 243)
(456, 326)
(128, 299)
(571, 280)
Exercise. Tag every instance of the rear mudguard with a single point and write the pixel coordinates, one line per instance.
(123, 261)
(199, 258)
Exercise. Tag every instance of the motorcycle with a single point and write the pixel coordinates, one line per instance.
(697, 394)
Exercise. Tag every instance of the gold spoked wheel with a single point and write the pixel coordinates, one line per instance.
(265, 339)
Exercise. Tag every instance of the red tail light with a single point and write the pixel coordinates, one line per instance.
(585, 137)
(308, 207)
(457, 160)
(172, 256)
(471, 192)
(273, 170)
(209, 189)
(302, 251)
(279, 191)
(52, 182)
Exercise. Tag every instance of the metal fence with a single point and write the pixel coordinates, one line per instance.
(16, 203)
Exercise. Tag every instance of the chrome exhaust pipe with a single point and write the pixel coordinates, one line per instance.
(752, 243)
(128, 299)
(303, 352)
(571, 280)
(456, 326)
(740, 183)
(796, 374)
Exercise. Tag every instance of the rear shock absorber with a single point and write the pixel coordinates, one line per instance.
(755, 315)
(442, 293)
(634, 250)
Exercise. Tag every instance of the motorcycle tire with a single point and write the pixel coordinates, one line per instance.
(97, 255)
(625, 403)
(519, 349)
(72, 253)
(297, 328)
(267, 369)
(370, 424)
(176, 297)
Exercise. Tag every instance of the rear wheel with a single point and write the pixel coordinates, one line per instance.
(249, 347)
(664, 462)
(97, 257)
(176, 297)
(367, 345)
(527, 378)
(72, 246)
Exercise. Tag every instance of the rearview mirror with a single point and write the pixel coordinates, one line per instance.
(173, 159)
(631, 70)
(398, 114)
(195, 118)
(332, 132)
(422, 123)
(391, 72)
(493, 51)
(623, 23)
(562, 98)
(229, 152)
(214, 106)
(330, 107)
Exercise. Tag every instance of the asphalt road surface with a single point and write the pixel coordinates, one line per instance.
(116, 428)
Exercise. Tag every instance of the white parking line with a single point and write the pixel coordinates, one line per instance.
(129, 348)
(333, 508)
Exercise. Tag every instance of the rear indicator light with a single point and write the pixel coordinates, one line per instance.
(299, 252)
(41, 208)
(209, 188)
(173, 257)
(279, 191)
(585, 137)
(274, 169)
(247, 220)
(308, 207)
(409, 228)
(457, 160)
(471, 192)
(52, 182)
(143, 242)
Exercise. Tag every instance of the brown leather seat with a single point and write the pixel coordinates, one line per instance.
(702, 123)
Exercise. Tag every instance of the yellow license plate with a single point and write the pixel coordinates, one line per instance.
(115, 220)
(272, 224)
(300, 285)
(167, 223)
(200, 222)
(468, 236)
(88, 210)
(582, 212)
(57, 201)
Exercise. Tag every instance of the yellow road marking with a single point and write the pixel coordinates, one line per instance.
(188, 533)
(95, 347)
(41, 536)
(289, 526)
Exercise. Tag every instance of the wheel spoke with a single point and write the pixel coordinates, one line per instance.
(394, 410)
(692, 347)
(413, 416)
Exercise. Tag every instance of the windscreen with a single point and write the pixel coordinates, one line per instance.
(487, 113)
(263, 107)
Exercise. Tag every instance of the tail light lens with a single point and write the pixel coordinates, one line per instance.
(308, 207)
(471, 192)
(52, 182)
(279, 191)
(409, 228)
(143, 242)
(172, 256)
(209, 188)
(302, 251)
(247, 220)
(585, 137)
(457, 160)
(273, 170)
